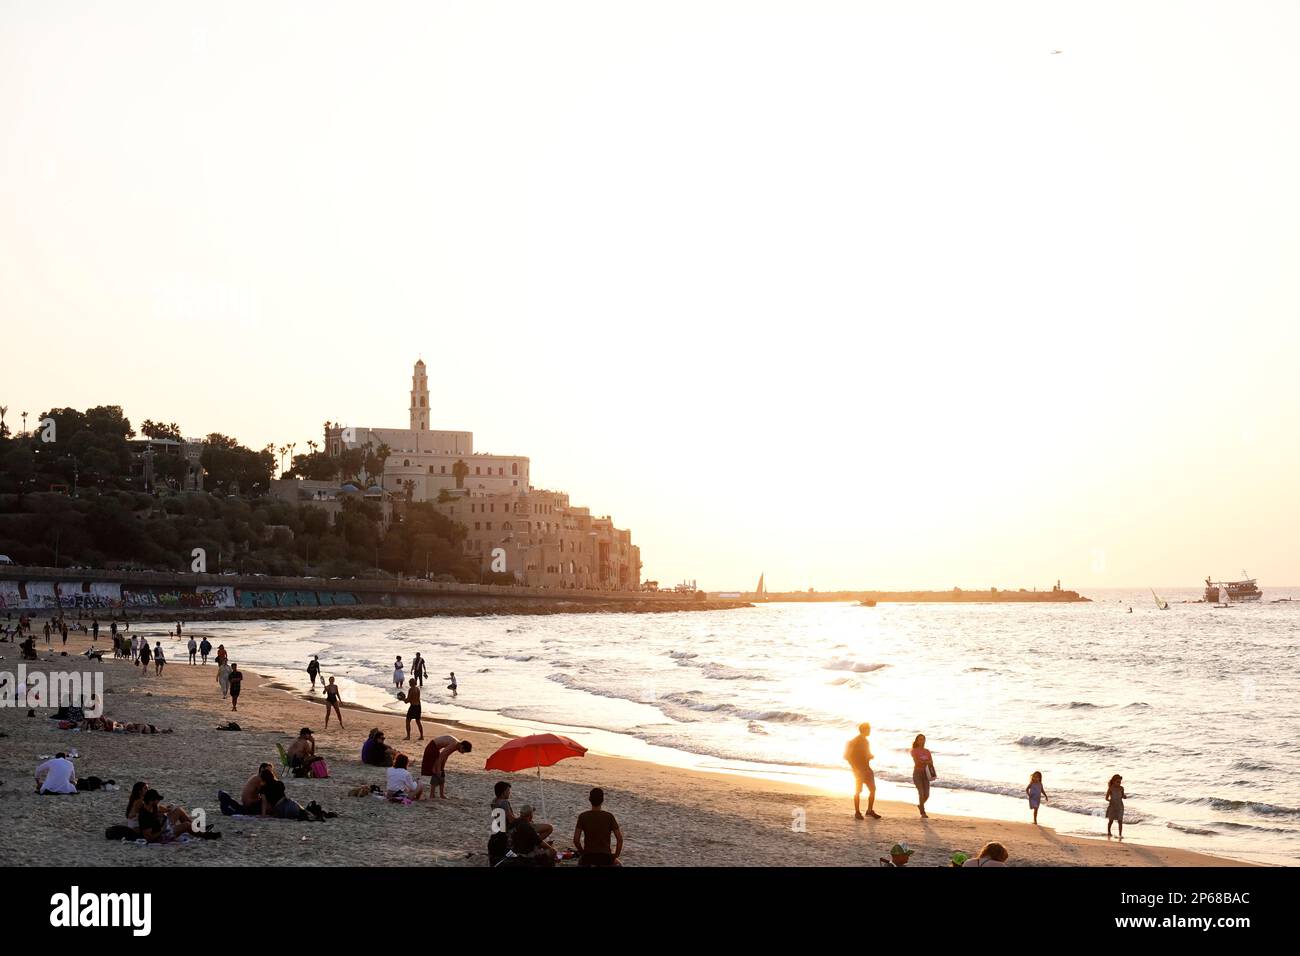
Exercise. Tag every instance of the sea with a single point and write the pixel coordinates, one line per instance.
(1197, 707)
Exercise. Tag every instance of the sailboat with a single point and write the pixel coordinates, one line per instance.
(760, 592)
(1163, 605)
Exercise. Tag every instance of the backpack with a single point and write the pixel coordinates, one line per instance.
(318, 769)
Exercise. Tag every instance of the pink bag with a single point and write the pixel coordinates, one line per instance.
(318, 769)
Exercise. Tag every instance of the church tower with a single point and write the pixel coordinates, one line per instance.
(419, 399)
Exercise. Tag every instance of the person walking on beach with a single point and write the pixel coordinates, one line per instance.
(1115, 805)
(205, 648)
(413, 709)
(236, 681)
(1035, 792)
(922, 772)
(63, 628)
(223, 679)
(399, 673)
(858, 754)
(452, 686)
(313, 670)
(144, 656)
(159, 659)
(418, 670)
(222, 656)
(193, 648)
(591, 836)
(332, 699)
(94, 628)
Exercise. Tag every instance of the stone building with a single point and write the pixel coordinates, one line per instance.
(536, 536)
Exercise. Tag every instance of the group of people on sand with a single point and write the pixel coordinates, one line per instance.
(517, 840)
(857, 753)
(399, 783)
(264, 795)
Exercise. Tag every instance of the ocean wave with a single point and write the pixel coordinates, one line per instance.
(848, 664)
(756, 728)
(1078, 705)
(1251, 765)
(1195, 831)
(692, 700)
(682, 655)
(1060, 743)
(1138, 705)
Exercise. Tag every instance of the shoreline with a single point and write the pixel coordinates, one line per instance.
(671, 815)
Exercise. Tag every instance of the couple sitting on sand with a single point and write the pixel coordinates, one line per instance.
(148, 818)
(264, 796)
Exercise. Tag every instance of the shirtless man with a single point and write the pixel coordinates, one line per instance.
(302, 750)
(858, 754)
(250, 798)
(436, 755)
(413, 709)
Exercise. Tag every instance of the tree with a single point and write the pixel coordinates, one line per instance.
(152, 429)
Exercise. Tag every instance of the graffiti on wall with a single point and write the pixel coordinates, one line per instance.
(169, 599)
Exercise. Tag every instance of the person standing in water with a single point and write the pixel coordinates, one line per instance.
(313, 670)
(333, 697)
(1035, 792)
(452, 686)
(922, 772)
(858, 754)
(418, 670)
(1115, 805)
(399, 673)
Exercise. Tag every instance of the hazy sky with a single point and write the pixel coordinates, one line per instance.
(872, 294)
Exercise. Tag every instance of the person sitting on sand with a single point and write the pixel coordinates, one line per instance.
(591, 837)
(250, 797)
(436, 755)
(1035, 792)
(400, 784)
(303, 750)
(276, 803)
(375, 752)
(56, 775)
(991, 854)
(333, 697)
(1115, 805)
(180, 821)
(858, 754)
(528, 842)
(503, 814)
(413, 709)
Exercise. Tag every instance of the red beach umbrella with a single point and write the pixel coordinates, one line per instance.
(536, 750)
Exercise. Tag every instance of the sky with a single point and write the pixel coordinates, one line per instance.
(861, 294)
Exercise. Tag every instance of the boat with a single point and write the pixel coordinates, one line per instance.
(760, 592)
(1231, 592)
(1163, 605)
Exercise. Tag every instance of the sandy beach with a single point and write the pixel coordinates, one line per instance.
(670, 816)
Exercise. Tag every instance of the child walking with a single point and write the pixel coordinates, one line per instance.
(1036, 793)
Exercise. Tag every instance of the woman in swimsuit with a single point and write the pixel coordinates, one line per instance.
(332, 698)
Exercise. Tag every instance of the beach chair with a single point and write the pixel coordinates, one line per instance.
(285, 768)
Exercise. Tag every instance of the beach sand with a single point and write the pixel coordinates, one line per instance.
(670, 816)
